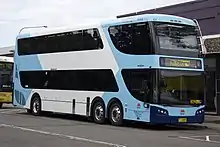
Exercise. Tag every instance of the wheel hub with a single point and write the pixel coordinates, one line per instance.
(36, 106)
(99, 112)
(116, 114)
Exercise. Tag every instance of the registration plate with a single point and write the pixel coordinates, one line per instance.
(182, 120)
(195, 102)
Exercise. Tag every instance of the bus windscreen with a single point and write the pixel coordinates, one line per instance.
(6, 70)
(176, 36)
(177, 88)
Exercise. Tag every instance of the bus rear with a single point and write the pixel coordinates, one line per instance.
(6, 69)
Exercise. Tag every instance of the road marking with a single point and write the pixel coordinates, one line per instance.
(207, 138)
(62, 135)
(201, 140)
(206, 135)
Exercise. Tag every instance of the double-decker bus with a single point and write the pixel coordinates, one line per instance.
(144, 68)
(6, 69)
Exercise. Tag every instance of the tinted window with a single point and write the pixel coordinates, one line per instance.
(90, 80)
(140, 83)
(63, 42)
(176, 36)
(6, 70)
(132, 38)
(91, 39)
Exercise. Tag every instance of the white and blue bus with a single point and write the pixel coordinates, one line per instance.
(144, 68)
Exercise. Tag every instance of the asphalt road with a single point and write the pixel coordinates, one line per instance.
(17, 128)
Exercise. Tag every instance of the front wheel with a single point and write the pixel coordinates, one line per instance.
(116, 114)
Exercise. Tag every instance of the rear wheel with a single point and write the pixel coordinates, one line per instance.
(98, 112)
(36, 106)
(116, 114)
(1, 105)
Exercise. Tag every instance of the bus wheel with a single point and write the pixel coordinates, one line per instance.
(36, 106)
(116, 114)
(98, 112)
(1, 105)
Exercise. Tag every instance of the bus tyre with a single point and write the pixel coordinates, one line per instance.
(1, 105)
(116, 114)
(98, 112)
(36, 106)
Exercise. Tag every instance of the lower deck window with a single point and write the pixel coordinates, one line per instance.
(88, 80)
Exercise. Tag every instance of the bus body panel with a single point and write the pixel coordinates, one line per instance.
(62, 101)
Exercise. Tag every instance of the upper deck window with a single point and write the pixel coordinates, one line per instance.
(176, 36)
(79, 40)
(132, 38)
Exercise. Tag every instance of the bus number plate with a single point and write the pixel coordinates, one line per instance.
(195, 102)
(182, 120)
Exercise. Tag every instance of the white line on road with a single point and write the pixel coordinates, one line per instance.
(207, 138)
(202, 140)
(204, 136)
(62, 135)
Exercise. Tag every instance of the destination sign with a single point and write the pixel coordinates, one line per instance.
(180, 63)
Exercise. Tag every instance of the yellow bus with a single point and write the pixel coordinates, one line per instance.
(6, 74)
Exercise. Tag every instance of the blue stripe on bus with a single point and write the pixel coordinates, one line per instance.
(22, 94)
(33, 63)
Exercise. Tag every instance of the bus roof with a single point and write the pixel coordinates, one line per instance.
(151, 17)
(52, 30)
(115, 21)
(6, 59)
